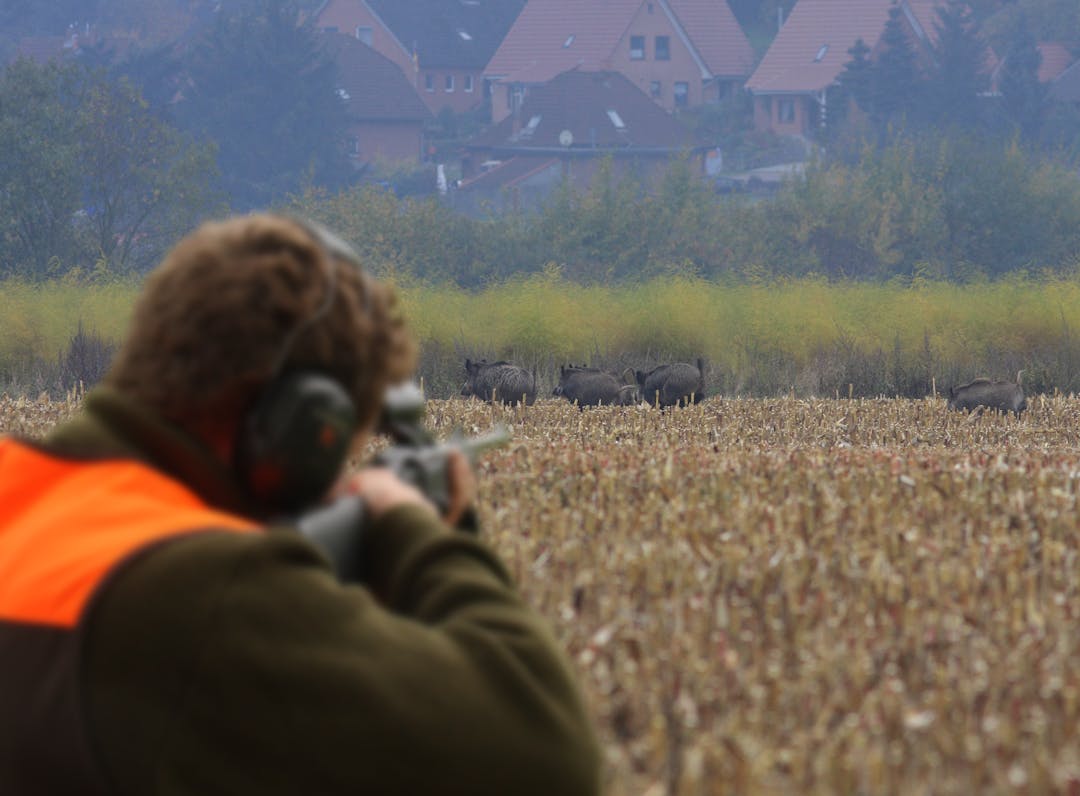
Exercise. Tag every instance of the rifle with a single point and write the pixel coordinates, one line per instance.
(415, 456)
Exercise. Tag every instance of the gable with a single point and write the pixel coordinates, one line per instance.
(552, 36)
(717, 36)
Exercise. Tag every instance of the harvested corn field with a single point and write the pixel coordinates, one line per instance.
(798, 596)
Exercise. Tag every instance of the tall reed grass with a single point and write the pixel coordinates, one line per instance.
(806, 336)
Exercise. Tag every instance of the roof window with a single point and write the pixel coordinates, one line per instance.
(342, 93)
(821, 53)
(569, 41)
(464, 34)
(530, 128)
(616, 120)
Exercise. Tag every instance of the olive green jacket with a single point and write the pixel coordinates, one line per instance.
(222, 663)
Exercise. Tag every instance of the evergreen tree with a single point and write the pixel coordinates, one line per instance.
(896, 88)
(958, 76)
(265, 93)
(1023, 100)
(855, 86)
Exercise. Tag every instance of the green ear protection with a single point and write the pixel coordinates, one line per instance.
(292, 444)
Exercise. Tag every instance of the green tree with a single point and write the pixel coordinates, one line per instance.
(957, 77)
(896, 86)
(144, 182)
(39, 169)
(264, 91)
(1023, 101)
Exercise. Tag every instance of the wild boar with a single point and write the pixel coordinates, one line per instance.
(1002, 396)
(499, 381)
(673, 385)
(593, 387)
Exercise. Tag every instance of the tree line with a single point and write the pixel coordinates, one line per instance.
(920, 174)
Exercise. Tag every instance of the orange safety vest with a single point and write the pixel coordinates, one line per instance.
(65, 527)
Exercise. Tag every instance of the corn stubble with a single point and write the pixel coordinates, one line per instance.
(799, 596)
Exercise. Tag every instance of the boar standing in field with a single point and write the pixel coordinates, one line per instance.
(1002, 396)
(677, 384)
(499, 381)
(593, 387)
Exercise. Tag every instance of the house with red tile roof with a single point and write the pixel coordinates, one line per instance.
(678, 52)
(808, 54)
(566, 127)
(441, 45)
(386, 115)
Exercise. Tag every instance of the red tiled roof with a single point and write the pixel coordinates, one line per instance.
(552, 36)
(812, 47)
(716, 35)
(583, 103)
(372, 85)
(508, 173)
(1056, 58)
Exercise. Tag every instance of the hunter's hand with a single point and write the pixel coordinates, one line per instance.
(381, 490)
(462, 483)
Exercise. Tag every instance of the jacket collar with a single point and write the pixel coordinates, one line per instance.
(113, 425)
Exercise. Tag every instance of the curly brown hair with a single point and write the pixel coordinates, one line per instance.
(239, 301)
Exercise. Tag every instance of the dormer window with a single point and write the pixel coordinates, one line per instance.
(821, 53)
(530, 128)
(569, 41)
(616, 120)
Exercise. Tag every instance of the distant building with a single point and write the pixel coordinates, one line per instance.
(565, 129)
(808, 54)
(679, 53)
(386, 116)
(441, 46)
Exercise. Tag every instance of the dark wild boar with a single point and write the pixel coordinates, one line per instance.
(1002, 396)
(673, 385)
(593, 387)
(499, 381)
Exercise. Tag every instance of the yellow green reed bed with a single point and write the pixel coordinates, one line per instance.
(807, 336)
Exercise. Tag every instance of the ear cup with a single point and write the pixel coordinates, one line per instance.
(294, 441)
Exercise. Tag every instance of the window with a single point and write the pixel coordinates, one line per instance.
(354, 147)
(464, 34)
(821, 53)
(468, 83)
(682, 94)
(663, 48)
(785, 111)
(449, 83)
(616, 120)
(364, 34)
(429, 82)
(654, 89)
(637, 48)
(569, 41)
(530, 128)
